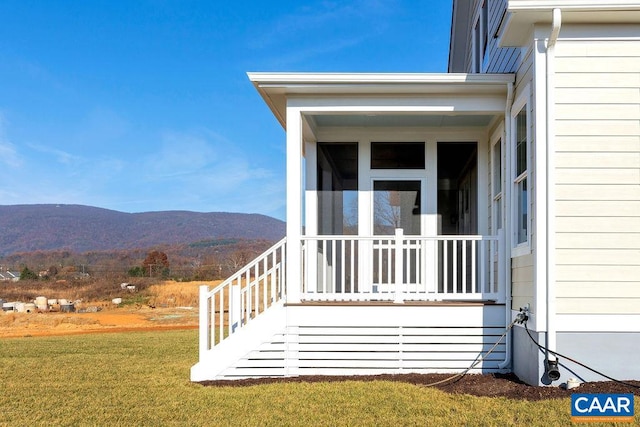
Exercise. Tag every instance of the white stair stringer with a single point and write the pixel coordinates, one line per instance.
(267, 360)
(217, 363)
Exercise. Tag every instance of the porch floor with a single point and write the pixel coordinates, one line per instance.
(450, 303)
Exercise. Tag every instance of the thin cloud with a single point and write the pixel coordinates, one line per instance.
(37, 73)
(205, 170)
(182, 154)
(9, 155)
(61, 156)
(8, 152)
(301, 55)
(103, 124)
(204, 157)
(317, 23)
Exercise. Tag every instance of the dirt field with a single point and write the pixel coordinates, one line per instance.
(175, 308)
(120, 319)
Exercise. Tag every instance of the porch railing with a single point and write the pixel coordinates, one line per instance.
(356, 268)
(242, 297)
(402, 268)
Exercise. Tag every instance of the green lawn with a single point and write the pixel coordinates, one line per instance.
(142, 378)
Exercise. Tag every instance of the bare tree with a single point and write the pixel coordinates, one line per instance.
(155, 263)
(387, 211)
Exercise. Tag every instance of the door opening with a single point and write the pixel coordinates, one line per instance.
(457, 188)
(457, 214)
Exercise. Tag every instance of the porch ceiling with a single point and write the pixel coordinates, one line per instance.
(394, 120)
(387, 99)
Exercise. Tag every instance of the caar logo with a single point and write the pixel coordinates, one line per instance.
(602, 407)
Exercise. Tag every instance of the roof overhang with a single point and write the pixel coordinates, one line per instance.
(522, 15)
(278, 88)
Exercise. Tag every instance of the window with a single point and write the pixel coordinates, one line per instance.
(520, 174)
(337, 188)
(496, 183)
(480, 38)
(397, 155)
(477, 57)
(396, 204)
(484, 20)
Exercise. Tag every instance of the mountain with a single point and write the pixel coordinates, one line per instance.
(77, 228)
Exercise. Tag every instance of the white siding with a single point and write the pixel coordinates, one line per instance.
(522, 287)
(522, 282)
(598, 173)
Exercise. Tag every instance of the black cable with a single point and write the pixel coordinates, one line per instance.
(479, 358)
(543, 349)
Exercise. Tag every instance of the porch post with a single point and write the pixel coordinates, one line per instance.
(311, 259)
(294, 204)
(430, 201)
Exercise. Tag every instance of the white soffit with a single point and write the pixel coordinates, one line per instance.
(521, 15)
(276, 88)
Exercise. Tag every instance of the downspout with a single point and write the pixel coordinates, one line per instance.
(506, 268)
(551, 363)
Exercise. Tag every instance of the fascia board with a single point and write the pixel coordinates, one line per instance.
(522, 15)
(293, 79)
(575, 5)
(276, 88)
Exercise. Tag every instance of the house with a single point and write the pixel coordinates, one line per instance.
(9, 276)
(428, 212)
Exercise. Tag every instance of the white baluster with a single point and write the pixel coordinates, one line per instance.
(399, 262)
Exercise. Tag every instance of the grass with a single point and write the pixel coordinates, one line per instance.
(143, 379)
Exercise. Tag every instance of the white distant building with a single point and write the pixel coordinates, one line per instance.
(10, 276)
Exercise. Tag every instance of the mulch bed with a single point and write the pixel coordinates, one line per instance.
(489, 385)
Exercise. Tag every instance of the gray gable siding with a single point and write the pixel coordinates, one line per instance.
(500, 59)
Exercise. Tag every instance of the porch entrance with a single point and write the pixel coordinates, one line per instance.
(397, 205)
(458, 214)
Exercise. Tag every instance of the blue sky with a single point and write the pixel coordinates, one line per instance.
(145, 105)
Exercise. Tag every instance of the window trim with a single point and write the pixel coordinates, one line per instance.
(497, 141)
(523, 102)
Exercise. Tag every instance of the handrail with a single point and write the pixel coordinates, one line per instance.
(441, 237)
(242, 297)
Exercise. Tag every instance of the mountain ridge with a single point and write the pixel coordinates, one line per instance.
(81, 228)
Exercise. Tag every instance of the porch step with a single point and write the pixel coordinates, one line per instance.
(259, 331)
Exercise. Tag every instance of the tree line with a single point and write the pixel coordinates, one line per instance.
(199, 261)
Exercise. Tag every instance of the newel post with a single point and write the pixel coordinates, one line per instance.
(399, 266)
(204, 341)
